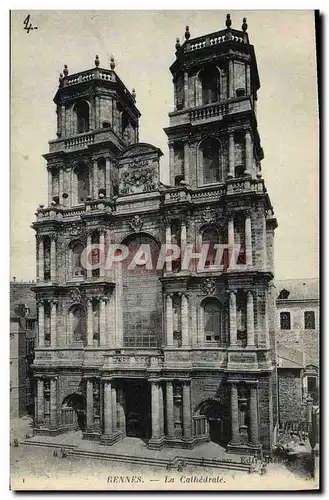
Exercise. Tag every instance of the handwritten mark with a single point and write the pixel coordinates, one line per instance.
(28, 26)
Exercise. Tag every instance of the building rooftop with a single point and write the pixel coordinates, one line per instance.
(21, 294)
(290, 358)
(299, 289)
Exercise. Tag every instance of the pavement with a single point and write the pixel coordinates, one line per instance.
(36, 468)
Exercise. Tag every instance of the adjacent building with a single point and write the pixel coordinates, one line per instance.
(23, 329)
(298, 337)
(178, 353)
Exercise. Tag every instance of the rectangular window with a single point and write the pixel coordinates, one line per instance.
(285, 321)
(309, 320)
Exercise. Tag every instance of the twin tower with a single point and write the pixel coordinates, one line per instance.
(176, 355)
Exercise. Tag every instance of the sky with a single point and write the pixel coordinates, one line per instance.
(143, 45)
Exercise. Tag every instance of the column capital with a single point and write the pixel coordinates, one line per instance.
(166, 221)
(248, 212)
(53, 236)
(54, 302)
(41, 302)
(169, 294)
(252, 382)
(39, 237)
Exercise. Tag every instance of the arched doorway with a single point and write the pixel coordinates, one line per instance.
(217, 413)
(73, 412)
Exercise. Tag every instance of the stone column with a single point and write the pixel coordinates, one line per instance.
(234, 413)
(155, 410)
(40, 401)
(183, 241)
(108, 177)
(231, 249)
(101, 253)
(264, 253)
(50, 186)
(266, 322)
(233, 328)
(61, 186)
(185, 318)
(102, 321)
(41, 262)
(90, 332)
(41, 323)
(53, 402)
(171, 164)
(63, 131)
(201, 337)
(89, 270)
(53, 238)
(168, 242)
(161, 411)
(250, 319)
(253, 415)
(95, 179)
(248, 79)
(248, 239)
(187, 418)
(108, 420)
(53, 323)
(185, 89)
(90, 405)
(169, 319)
(231, 164)
(186, 162)
(249, 152)
(114, 408)
(170, 410)
(230, 79)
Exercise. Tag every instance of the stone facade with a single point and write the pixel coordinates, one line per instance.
(298, 336)
(179, 353)
(23, 327)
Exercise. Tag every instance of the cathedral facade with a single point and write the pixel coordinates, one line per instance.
(174, 347)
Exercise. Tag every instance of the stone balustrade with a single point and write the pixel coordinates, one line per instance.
(79, 141)
(213, 39)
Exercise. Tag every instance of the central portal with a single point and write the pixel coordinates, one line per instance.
(137, 406)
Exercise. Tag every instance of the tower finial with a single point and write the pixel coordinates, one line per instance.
(187, 33)
(244, 25)
(96, 61)
(112, 63)
(228, 21)
(65, 70)
(177, 46)
(133, 93)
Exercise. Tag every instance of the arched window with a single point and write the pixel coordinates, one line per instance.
(141, 293)
(79, 324)
(82, 113)
(209, 78)
(77, 268)
(82, 176)
(210, 237)
(212, 319)
(210, 161)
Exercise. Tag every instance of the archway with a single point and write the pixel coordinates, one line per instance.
(73, 412)
(217, 413)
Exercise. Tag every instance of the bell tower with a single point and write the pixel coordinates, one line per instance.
(97, 118)
(213, 130)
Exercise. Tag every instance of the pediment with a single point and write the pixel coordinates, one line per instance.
(140, 149)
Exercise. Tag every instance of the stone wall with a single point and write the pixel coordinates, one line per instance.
(290, 395)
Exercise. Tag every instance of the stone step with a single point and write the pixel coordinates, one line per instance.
(73, 450)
